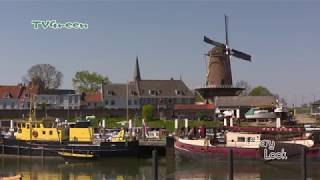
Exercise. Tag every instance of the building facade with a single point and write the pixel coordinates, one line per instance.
(162, 94)
(58, 99)
(14, 97)
(315, 108)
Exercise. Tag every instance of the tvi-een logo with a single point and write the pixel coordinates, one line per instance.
(268, 152)
(53, 24)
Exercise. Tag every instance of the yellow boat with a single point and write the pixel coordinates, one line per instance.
(72, 155)
(17, 177)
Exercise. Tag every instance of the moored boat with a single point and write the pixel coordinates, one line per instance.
(35, 138)
(248, 145)
(16, 177)
(74, 155)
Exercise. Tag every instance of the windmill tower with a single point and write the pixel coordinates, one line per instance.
(219, 75)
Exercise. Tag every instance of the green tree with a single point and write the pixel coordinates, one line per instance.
(147, 112)
(85, 81)
(198, 97)
(260, 91)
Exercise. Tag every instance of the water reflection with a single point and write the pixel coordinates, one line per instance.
(141, 169)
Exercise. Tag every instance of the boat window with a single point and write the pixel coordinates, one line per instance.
(33, 125)
(28, 126)
(23, 125)
(250, 139)
(19, 126)
(241, 139)
(50, 132)
(43, 132)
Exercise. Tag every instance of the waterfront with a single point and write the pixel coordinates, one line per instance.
(141, 168)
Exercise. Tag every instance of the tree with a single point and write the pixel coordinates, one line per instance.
(85, 81)
(147, 112)
(45, 75)
(245, 85)
(198, 97)
(260, 91)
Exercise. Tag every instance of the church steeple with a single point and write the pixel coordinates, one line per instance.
(136, 75)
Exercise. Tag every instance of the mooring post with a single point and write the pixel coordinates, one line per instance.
(230, 164)
(186, 127)
(155, 164)
(303, 164)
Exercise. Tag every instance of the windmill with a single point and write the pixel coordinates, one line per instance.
(219, 76)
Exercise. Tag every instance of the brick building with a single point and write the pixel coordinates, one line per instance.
(162, 94)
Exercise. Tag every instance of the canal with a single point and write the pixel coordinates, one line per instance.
(141, 169)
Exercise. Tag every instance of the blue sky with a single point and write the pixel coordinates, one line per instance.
(282, 38)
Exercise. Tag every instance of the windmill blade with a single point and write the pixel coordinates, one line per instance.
(240, 55)
(215, 43)
(226, 29)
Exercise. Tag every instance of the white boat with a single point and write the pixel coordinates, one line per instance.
(257, 113)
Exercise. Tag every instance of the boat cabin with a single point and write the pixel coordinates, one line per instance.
(242, 140)
(35, 131)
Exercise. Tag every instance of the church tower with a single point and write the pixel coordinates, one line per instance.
(136, 73)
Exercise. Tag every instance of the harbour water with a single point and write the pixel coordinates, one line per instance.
(141, 169)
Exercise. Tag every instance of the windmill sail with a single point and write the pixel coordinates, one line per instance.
(209, 41)
(240, 55)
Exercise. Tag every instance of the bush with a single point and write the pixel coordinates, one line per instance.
(147, 112)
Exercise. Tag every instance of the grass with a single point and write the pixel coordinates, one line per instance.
(167, 124)
(114, 122)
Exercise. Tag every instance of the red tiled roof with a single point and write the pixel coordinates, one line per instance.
(15, 91)
(193, 106)
(93, 97)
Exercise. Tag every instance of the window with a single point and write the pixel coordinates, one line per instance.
(135, 102)
(250, 139)
(70, 99)
(52, 99)
(50, 132)
(107, 102)
(6, 96)
(28, 126)
(110, 93)
(61, 99)
(152, 92)
(133, 93)
(241, 139)
(113, 102)
(33, 125)
(129, 102)
(23, 125)
(43, 132)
